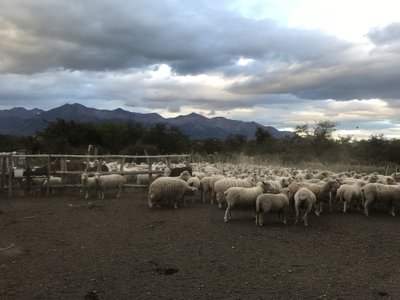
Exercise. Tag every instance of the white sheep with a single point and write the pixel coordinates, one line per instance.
(185, 176)
(222, 185)
(194, 182)
(205, 189)
(169, 190)
(36, 185)
(272, 186)
(348, 193)
(53, 181)
(388, 194)
(88, 183)
(242, 197)
(267, 203)
(213, 180)
(304, 199)
(109, 181)
(323, 192)
(199, 175)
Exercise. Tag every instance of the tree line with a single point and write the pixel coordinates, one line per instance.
(306, 144)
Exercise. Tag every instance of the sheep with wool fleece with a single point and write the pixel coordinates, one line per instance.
(304, 199)
(205, 187)
(36, 185)
(348, 193)
(242, 197)
(109, 181)
(185, 176)
(88, 184)
(53, 181)
(389, 194)
(272, 186)
(199, 175)
(388, 180)
(213, 180)
(169, 190)
(222, 185)
(323, 193)
(267, 203)
(194, 182)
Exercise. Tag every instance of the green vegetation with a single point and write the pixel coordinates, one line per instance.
(309, 145)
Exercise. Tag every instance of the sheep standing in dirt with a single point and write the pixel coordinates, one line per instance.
(213, 180)
(242, 197)
(52, 182)
(267, 203)
(166, 190)
(222, 185)
(109, 181)
(88, 184)
(304, 199)
(323, 193)
(350, 193)
(389, 194)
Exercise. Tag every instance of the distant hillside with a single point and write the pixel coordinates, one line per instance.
(20, 121)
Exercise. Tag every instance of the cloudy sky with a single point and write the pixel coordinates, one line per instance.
(280, 63)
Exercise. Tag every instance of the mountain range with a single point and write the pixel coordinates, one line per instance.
(21, 121)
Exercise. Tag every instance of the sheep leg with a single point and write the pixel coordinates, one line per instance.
(366, 207)
(86, 194)
(297, 214)
(392, 211)
(283, 218)
(226, 216)
(318, 209)
(119, 192)
(345, 206)
(305, 217)
(260, 219)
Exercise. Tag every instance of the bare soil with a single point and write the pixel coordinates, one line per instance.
(121, 249)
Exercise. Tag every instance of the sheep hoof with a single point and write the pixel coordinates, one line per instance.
(226, 220)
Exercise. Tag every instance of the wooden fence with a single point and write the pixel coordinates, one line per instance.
(12, 163)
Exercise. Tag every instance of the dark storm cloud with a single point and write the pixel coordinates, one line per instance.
(108, 35)
(369, 78)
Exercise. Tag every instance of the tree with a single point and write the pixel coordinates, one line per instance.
(262, 135)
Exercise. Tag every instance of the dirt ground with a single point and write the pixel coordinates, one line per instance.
(121, 249)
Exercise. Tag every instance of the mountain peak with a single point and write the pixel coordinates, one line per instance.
(20, 121)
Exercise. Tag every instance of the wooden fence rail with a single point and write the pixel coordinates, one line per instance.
(7, 160)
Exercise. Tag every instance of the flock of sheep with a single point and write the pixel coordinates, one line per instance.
(259, 189)
(264, 190)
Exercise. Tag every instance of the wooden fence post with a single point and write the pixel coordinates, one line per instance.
(3, 172)
(10, 175)
(48, 175)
